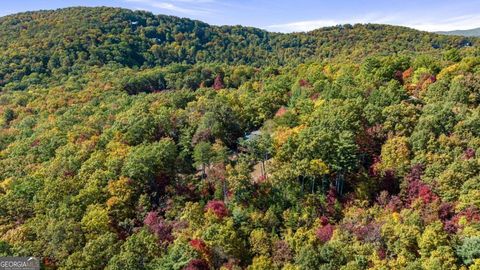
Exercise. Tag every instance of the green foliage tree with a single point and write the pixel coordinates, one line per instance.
(136, 252)
(202, 155)
(469, 250)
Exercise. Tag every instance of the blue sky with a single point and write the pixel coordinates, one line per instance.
(290, 16)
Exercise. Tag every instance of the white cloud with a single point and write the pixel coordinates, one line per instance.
(301, 26)
(448, 24)
(176, 5)
(7, 12)
(436, 23)
(309, 25)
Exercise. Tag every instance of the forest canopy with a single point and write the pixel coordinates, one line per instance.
(137, 141)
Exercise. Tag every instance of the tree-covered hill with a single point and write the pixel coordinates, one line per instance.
(36, 45)
(467, 33)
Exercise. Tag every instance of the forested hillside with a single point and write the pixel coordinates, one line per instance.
(135, 141)
(468, 33)
(38, 45)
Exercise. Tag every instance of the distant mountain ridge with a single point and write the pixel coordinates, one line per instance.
(35, 45)
(467, 33)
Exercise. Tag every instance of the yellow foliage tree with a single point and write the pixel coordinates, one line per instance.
(395, 155)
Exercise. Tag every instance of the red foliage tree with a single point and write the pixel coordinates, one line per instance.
(282, 111)
(416, 188)
(395, 204)
(159, 227)
(370, 232)
(218, 83)
(446, 212)
(469, 154)
(331, 202)
(407, 74)
(382, 253)
(471, 214)
(388, 182)
(426, 194)
(231, 264)
(197, 264)
(398, 75)
(324, 233)
(304, 83)
(218, 208)
(199, 245)
(281, 252)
